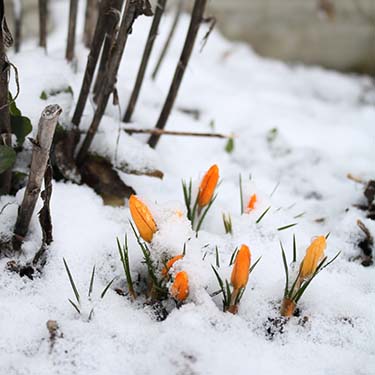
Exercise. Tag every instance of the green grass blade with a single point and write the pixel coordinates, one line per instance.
(92, 281)
(221, 284)
(239, 296)
(187, 199)
(286, 226)
(205, 212)
(126, 265)
(217, 257)
(214, 294)
(302, 289)
(74, 305)
(274, 189)
(146, 256)
(228, 293)
(233, 256)
(294, 248)
(299, 215)
(194, 211)
(91, 314)
(263, 215)
(72, 281)
(241, 193)
(285, 269)
(331, 261)
(107, 287)
(254, 265)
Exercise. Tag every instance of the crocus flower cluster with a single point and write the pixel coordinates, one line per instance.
(164, 281)
(147, 227)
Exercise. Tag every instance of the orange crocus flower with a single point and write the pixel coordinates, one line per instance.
(240, 272)
(314, 254)
(207, 186)
(142, 218)
(180, 287)
(251, 204)
(170, 263)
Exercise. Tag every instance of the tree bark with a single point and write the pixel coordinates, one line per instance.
(73, 9)
(92, 60)
(159, 10)
(39, 159)
(110, 37)
(169, 39)
(133, 8)
(196, 19)
(91, 18)
(43, 23)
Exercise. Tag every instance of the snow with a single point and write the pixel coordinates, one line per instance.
(325, 129)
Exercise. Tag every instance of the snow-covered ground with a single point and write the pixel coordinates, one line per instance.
(325, 128)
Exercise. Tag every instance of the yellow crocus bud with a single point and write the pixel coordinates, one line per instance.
(170, 263)
(142, 218)
(180, 287)
(313, 256)
(208, 185)
(240, 272)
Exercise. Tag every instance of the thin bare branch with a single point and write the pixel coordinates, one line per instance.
(133, 9)
(169, 38)
(18, 17)
(196, 19)
(43, 4)
(159, 10)
(112, 23)
(91, 18)
(73, 9)
(92, 60)
(178, 133)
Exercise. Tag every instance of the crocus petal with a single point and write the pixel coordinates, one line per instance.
(170, 263)
(208, 185)
(180, 287)
(142, 218)
(314, 254)
(251, 204)
(240, 271)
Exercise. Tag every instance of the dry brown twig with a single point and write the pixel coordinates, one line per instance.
(355, 178)
(177, 133)
(39, 160)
